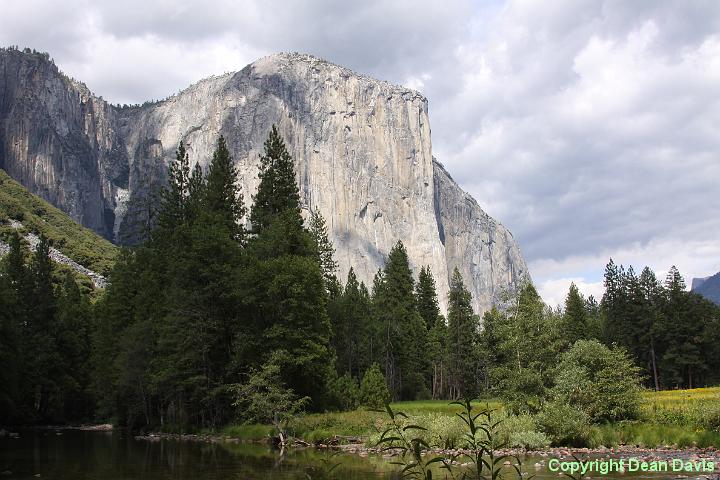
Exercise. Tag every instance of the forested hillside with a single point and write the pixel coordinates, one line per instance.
(214, 320)
(37, 216)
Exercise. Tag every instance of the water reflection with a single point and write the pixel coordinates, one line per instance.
(110, 455)
(72, 454)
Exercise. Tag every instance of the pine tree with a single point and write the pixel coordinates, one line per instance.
(44, 365)
(462, 340)
(11, 339)
(223, 199)
(613, 303)
(202, 316)
(404, 334)
(426, 295)
(350, 328)
(596, 325)
(73, 333)
(278, 191)
(429, 310)
(489, 351)
(682, 356)
(652, 314)
(275, 216)
(291, 314)
(15, 269)
(325, 251)
(194, 200)
(436, 349)
(575, 318)
(114, 312)
(173, 198)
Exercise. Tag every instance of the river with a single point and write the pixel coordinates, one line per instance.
(93, 455)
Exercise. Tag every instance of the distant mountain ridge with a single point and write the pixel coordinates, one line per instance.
(362, 150)
(708, 287)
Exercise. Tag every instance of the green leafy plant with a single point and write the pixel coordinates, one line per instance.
(520, 431)
(265, 399)
(565, 424)
(483, 440)
(399, 437)
(373, 388)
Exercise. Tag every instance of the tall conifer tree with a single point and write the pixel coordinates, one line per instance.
(278, 191)
(427, 301)
(174, 197)
(462, 340)
(325, 252)
(223, 198)
(575, 317)
(404, 334)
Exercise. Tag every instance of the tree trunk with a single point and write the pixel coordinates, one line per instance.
(654, 364)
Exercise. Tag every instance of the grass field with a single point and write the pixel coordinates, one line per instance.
(697, 409)
(680, 418)
(681, 399)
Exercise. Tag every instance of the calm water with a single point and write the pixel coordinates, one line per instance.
(72, 454)
(108, 455)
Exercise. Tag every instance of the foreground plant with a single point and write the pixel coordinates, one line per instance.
(481, 438)
(398, 437)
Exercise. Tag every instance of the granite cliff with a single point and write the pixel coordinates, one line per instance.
(362, 149)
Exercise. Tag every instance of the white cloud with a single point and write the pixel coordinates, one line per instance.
(554, 292)
(693, 258)
(590, 128)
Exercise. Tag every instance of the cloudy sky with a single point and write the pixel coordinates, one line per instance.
(590, 128)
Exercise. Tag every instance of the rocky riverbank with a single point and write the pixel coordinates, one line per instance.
(355, 445)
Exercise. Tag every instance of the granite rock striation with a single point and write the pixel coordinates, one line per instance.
(362, 149)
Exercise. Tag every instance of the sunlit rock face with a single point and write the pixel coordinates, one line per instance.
(362, 150)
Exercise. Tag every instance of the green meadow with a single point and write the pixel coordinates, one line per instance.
(674, 418)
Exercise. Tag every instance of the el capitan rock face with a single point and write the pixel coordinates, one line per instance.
(362, 151)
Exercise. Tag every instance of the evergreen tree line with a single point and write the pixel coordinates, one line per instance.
(205, 303)
(398, 327)
(665, 332)
(671, 333)
(210, 306)
(45, 329)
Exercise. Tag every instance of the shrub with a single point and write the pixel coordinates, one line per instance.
(565, 424)
(520, 431)
(373, 388)
(521, 391)
(346, 392)
(603, 382)
(442, 431)
(264, 398)
(437, 430)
